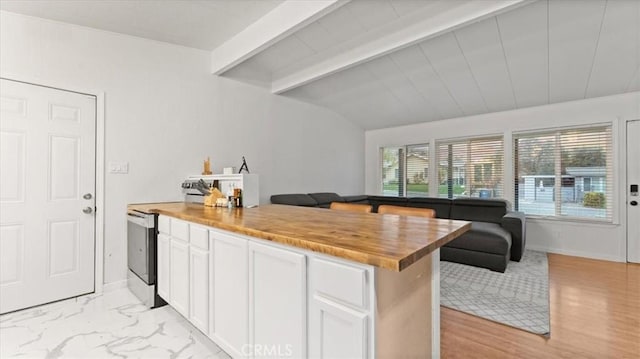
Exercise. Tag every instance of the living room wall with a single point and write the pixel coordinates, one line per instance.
(165, 113)
(587, 239)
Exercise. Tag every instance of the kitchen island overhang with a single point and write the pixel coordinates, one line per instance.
(385, 241)
(393, 261)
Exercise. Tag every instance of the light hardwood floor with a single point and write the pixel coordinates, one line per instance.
(595, 313)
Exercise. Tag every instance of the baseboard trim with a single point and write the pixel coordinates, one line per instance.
(110, 287)
(577, 253)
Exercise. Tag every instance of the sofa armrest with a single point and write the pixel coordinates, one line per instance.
(515, 223)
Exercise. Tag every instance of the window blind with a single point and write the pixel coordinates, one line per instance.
(471, 168)
(417, 173)
(392, 167)
(566, 173)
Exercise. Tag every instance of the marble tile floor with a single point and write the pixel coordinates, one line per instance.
(112, 325)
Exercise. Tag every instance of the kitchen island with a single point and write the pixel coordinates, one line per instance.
(304, 282)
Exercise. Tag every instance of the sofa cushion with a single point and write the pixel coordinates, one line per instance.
(483, 210)
(484, 237)
(324, 199)
(379, 200)
(294, 199)
(491, 261)
(442, 206)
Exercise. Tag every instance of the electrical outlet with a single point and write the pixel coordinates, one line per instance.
(119, 167)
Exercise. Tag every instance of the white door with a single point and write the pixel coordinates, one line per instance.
(633, 196)
(47, 189)
(277, 312)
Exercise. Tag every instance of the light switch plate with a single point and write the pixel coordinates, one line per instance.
(119, 167)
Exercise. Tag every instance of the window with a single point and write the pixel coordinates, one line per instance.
(580, 160)
(405, 170)
(391, 159)
(417, 171)
(481, 158)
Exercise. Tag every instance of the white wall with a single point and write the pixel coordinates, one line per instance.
(165, 113)
(602, 241)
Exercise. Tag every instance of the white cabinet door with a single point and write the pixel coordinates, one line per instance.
(336, 331)
(277, 292)
(231, 281)
(339, 309)
(179, 282)
(162, 279)
(199, 287)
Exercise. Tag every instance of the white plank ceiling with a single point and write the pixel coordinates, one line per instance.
(540, 53)
(201, 24)
(385, 63)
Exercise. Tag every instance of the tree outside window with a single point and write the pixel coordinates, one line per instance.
(481, 158)
(405, 170)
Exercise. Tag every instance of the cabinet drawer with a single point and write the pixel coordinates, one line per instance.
(340, 282)
(164, 225)
(179, 229)
(199, 237)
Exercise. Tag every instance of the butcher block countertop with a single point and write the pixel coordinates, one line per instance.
(386, 241)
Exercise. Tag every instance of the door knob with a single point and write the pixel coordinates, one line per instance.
(87, 196)
(87, 210)
(633, 203)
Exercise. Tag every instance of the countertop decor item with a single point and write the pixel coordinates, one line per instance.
(193, 187)
(244, 166)
(207, 167)
(212, 198)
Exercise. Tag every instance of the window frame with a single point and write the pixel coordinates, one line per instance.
(470, 168)
(402, 168)
(610, 180)
(399, 170)
(509, 167)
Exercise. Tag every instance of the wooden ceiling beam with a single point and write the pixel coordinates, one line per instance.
(403, 33)
(284, 20)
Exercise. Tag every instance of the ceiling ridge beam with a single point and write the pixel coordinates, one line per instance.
(406, 36)
(282, 21)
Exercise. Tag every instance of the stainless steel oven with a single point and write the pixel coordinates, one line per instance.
(142, 235)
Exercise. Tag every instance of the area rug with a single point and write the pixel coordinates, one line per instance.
(519, 297)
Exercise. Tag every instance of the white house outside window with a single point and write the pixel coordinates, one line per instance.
(391, 164)
(405, 170)
(565, 173)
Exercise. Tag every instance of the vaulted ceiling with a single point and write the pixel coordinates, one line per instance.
(201, 24)
(384, 63)
(533, 54)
